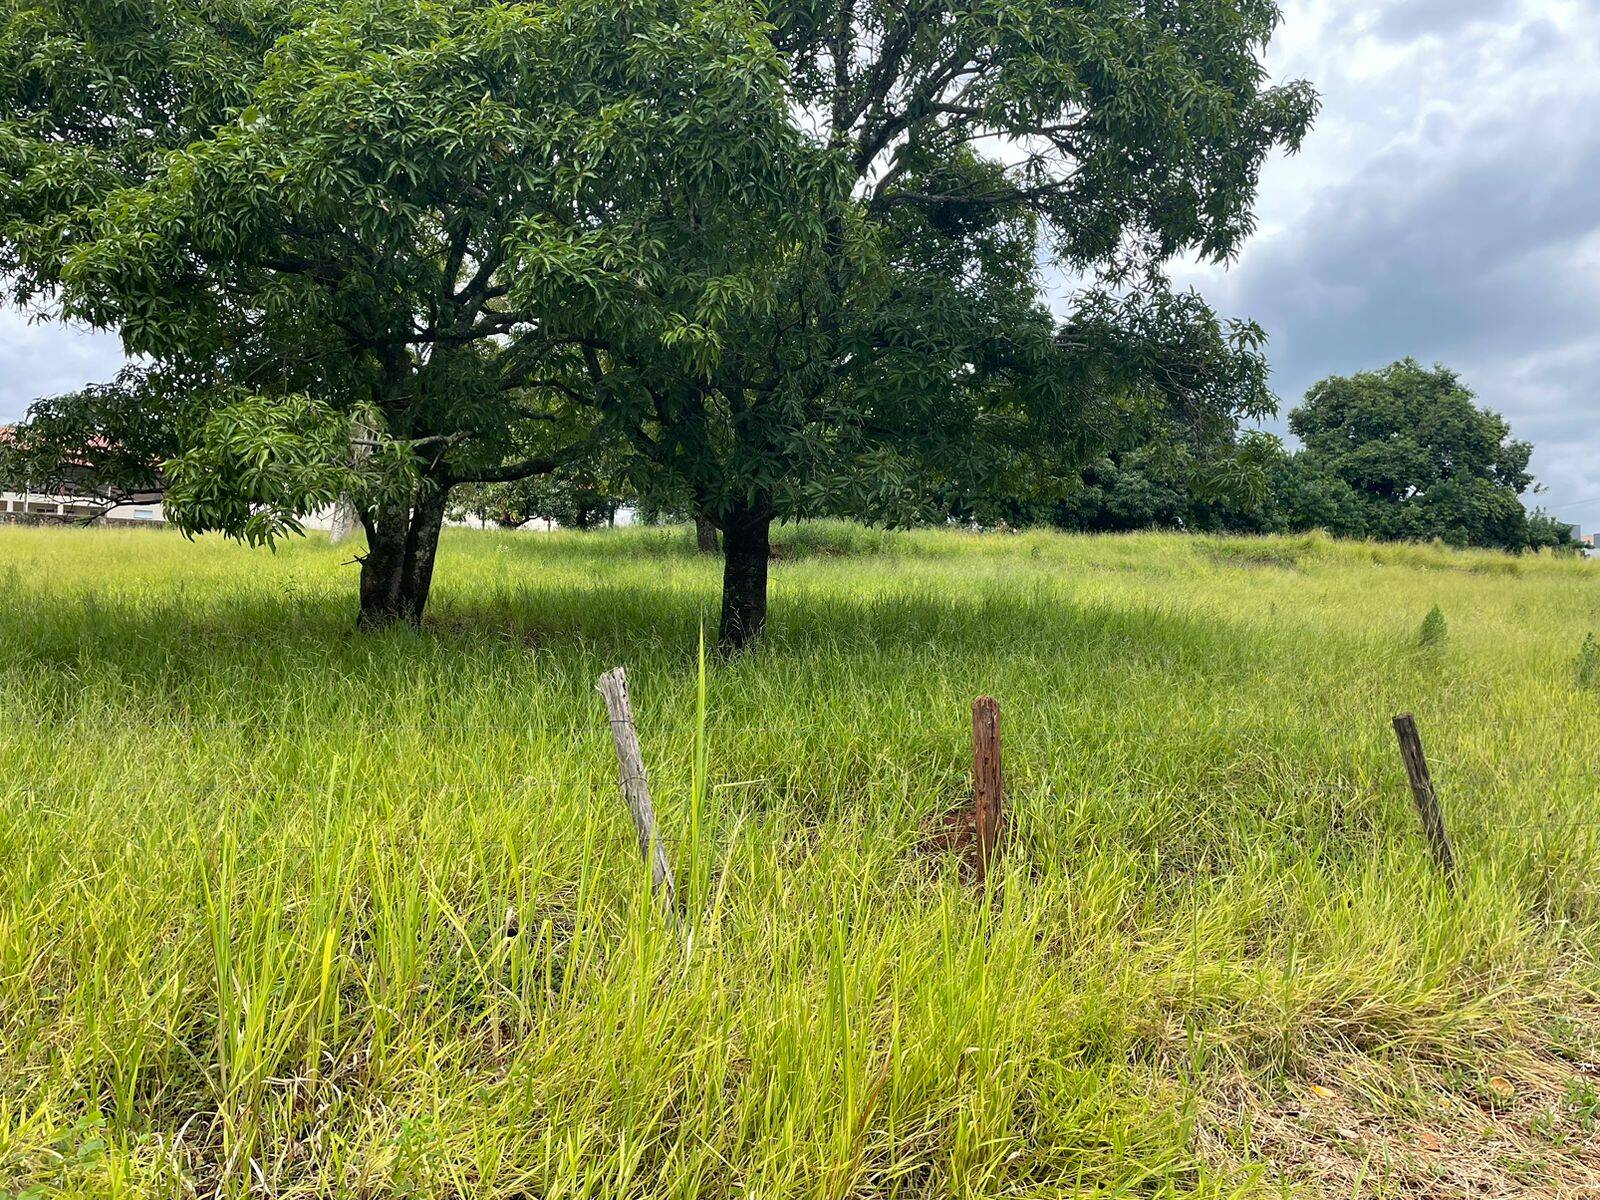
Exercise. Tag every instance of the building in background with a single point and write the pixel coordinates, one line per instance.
(68, 507)
(41, 507)
(37, 508)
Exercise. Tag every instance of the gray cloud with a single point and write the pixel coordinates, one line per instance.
(1444, 208)
(1406, 19)
(44, 359)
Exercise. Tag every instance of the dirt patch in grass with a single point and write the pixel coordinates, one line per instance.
(947, 835)
(1532, 1129)
(1246, 553)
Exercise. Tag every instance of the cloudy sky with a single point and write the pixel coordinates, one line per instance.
(1447, 205)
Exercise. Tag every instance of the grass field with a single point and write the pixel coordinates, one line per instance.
(291, 911)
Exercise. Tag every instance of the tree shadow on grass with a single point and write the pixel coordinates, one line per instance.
(609, 622)
(660, 624)
(533, 652)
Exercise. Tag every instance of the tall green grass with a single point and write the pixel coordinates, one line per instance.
(289, 910)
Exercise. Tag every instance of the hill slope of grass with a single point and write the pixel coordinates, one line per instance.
(288, 910)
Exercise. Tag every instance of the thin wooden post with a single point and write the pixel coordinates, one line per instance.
(987, 797)
(613, 686)
(1427, 800)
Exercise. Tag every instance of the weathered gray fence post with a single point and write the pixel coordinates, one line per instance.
(1427, 800)
(987, 796)
(613, 686)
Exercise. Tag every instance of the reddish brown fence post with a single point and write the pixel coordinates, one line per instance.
(1427, 800)
(987, 797)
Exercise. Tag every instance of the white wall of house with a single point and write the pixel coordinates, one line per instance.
(63, 507)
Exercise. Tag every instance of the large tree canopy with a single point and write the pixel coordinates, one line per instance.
(1418, 456)
(907, 347)
(343, 233)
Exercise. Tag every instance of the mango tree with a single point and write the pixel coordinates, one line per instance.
(335, 227)
(891, 340)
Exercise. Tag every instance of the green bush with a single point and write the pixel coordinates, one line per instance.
(1586, 666)
(1433, 630)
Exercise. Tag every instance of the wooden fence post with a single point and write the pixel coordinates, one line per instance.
(613, 686)
(987, 797)
(1427, 800)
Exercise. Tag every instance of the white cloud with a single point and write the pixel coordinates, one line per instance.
(44, 359)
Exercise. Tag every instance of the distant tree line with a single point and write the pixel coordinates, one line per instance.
(1400, 453)
(580, 495)
(1403, 453)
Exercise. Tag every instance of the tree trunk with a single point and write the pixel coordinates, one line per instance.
(746, 547)
(344, 521)
(345, 517)
(397, 569)
(705, 535)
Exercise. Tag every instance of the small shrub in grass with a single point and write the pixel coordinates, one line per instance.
(1586, 666)
(1433, 629)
